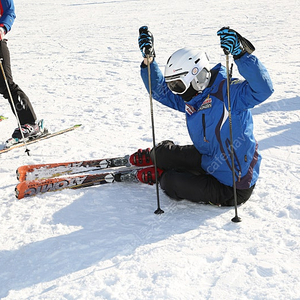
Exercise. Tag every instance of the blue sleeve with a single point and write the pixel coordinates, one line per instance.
(160, 91)
(257, 86)
(7, 10)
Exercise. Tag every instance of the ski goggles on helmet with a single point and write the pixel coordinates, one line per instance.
(178, 83)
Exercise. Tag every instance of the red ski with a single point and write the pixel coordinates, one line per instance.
(35, 187)
(42, 171)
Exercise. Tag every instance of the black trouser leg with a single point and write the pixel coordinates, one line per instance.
(170, 156)
(185, 179)
(200, 188)
(22, 103)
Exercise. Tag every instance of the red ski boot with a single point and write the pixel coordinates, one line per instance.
(147, 175)
(141, 158)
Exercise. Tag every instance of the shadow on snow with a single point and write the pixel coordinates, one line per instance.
(112, 221)
(287, 132)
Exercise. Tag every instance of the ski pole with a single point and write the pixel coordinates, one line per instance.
(236, 217)
(158, 210)
(14, 107)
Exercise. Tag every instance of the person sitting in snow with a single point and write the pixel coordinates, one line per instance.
(202, 172)
(21, 102)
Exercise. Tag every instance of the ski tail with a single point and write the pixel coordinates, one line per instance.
(140, 158)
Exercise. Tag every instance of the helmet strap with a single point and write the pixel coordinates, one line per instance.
(189, 94)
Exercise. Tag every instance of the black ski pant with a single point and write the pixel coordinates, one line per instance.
(22, 104)
(184, 178)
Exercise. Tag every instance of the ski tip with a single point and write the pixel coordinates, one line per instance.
(21, 173)
(77, 125)
(3, 118)
(21, 189)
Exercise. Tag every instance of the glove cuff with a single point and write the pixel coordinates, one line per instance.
(240, 55)
(143, 65)
(2, 27)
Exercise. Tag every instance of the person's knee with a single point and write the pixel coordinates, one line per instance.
(162, 151)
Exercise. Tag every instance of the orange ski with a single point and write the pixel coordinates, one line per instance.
(42, 171)
(31, 188)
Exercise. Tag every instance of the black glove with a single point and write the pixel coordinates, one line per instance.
(146, 42)
(232, 42)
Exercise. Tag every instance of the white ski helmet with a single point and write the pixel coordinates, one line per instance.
(186, 67)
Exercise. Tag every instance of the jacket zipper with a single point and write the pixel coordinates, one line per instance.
(204, 129)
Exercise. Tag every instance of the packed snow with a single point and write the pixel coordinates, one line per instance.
(79, 62)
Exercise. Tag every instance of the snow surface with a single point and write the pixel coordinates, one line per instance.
(79, 63)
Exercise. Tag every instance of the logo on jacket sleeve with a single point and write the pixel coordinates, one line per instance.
(189, 109)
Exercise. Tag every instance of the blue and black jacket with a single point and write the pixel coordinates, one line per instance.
(207, 118)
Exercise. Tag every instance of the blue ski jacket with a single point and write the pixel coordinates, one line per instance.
(208, 123)
(7, 14)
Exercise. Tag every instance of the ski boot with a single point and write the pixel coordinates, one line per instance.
(147, 175)
(29, 132)
(141, 158)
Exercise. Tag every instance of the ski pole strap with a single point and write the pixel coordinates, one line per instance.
(247, 45)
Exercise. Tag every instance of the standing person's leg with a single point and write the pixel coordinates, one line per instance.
(22, 103)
